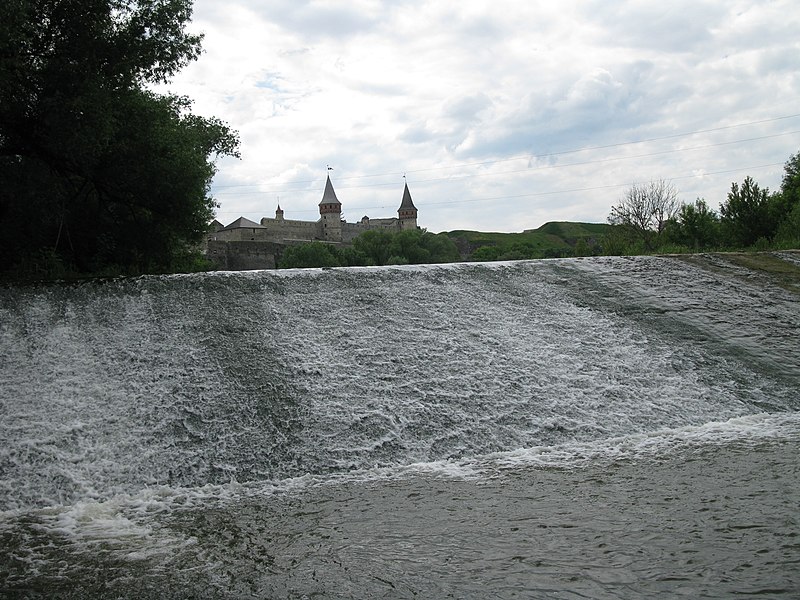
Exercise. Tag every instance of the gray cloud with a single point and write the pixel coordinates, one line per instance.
(674, 27)
(314, 19)
(466, 108)
(451, 91)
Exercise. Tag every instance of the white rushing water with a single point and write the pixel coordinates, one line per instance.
(130, 405)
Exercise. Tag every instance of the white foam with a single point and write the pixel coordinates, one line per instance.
(746, 430)
(188, 380)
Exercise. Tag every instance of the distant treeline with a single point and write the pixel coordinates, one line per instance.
(100, 175)
(551, 240)
(649, 218)
(377, 247)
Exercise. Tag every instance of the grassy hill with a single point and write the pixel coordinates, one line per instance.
(551, 240)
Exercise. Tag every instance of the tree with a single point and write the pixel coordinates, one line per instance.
(747, 215)
(313, 254)
(790, 186)
(411, 246)
(581, 248)
(696, 226)
(374, 245)
(788, 232)
(645, 210)
(439, 246)
(97, 172)
(486, 253)
(353, 258)
(787, 209)
(406, 247)
(520, 251)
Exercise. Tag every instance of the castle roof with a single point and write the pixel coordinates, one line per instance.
(241, 223)
(407, 203)
(329, 197)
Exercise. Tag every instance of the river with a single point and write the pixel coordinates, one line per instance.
(571, 428)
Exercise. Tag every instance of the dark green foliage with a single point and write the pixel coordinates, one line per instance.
(750, 218)
(786, 206)
(520, 251)
(99, 174)
(788, 233)
(412, 246)
(352, 257)
(696, 226)
(313, 254)
(582, 248)
(486, 253)
(558, 252)
(617, 241)
(376, 247)
(551, 240)
(572, 231)
(790, 186)
(747, 215)
(439, 247)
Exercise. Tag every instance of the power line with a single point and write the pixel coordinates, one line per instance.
(531, 156)
(546, 167)
(598, 187)
(554, 192)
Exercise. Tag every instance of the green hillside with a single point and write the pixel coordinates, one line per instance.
(551, 240)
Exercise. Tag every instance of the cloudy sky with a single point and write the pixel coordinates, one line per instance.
(501, 115)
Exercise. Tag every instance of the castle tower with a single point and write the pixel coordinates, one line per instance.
(279, 213)
(330, 213)
(407, 211)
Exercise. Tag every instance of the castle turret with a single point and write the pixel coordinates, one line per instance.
(330, 212)
(407, 211)
(279, 213)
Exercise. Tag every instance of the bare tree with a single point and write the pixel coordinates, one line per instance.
(645, 210)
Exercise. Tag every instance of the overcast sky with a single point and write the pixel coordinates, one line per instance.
(502, 115)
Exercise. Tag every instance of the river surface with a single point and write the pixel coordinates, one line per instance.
(572, 428)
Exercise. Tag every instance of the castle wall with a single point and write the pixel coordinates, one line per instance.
(350, 231)
(260, 247)
(243, 255)
(240, 234)
(279, 230)
(407, 223)
(391, 223)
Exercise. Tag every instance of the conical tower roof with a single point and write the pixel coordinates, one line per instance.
(407, 203)
(329, 196)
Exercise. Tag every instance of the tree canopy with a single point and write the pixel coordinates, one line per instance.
(746, 215)
(749, 217)
(696, 226)
(645, 210)
(374, 247)
(98, 173)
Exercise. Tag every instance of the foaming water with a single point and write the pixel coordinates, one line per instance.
(144, 418)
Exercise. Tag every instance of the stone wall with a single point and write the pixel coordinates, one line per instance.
(243, 255)
(246, 248)
(350, 231)
(240, 234)
(280, 230)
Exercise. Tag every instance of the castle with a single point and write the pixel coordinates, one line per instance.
(245, 244)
